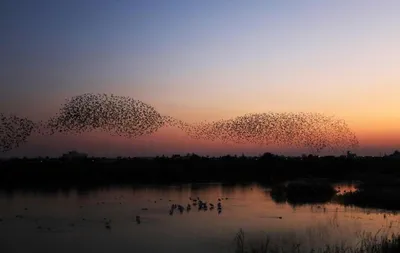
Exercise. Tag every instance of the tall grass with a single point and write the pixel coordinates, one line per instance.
(368, 243)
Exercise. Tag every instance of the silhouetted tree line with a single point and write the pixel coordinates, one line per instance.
(266, 169)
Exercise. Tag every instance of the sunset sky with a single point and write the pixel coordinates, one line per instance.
(203, 60)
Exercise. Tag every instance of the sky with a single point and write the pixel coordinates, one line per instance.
(203, 60)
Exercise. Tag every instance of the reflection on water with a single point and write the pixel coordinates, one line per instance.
(105, 220)
(346, 188)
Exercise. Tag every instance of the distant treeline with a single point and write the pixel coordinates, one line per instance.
(266, 169)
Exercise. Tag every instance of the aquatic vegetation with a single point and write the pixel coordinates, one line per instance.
(367, 243)
(374, 194)
(304, 192)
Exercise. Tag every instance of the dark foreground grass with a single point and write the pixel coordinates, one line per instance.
(368, 243)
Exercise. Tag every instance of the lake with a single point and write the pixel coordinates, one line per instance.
(75, 220)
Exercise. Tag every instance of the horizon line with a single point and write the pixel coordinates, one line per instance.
(86, 156)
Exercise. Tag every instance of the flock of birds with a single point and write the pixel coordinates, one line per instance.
(201, 205)
(14, 131)
(124, 116)
(194, 203)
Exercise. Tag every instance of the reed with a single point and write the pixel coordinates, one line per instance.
(367, 243)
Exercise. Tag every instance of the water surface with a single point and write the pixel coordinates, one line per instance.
(75, 220)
